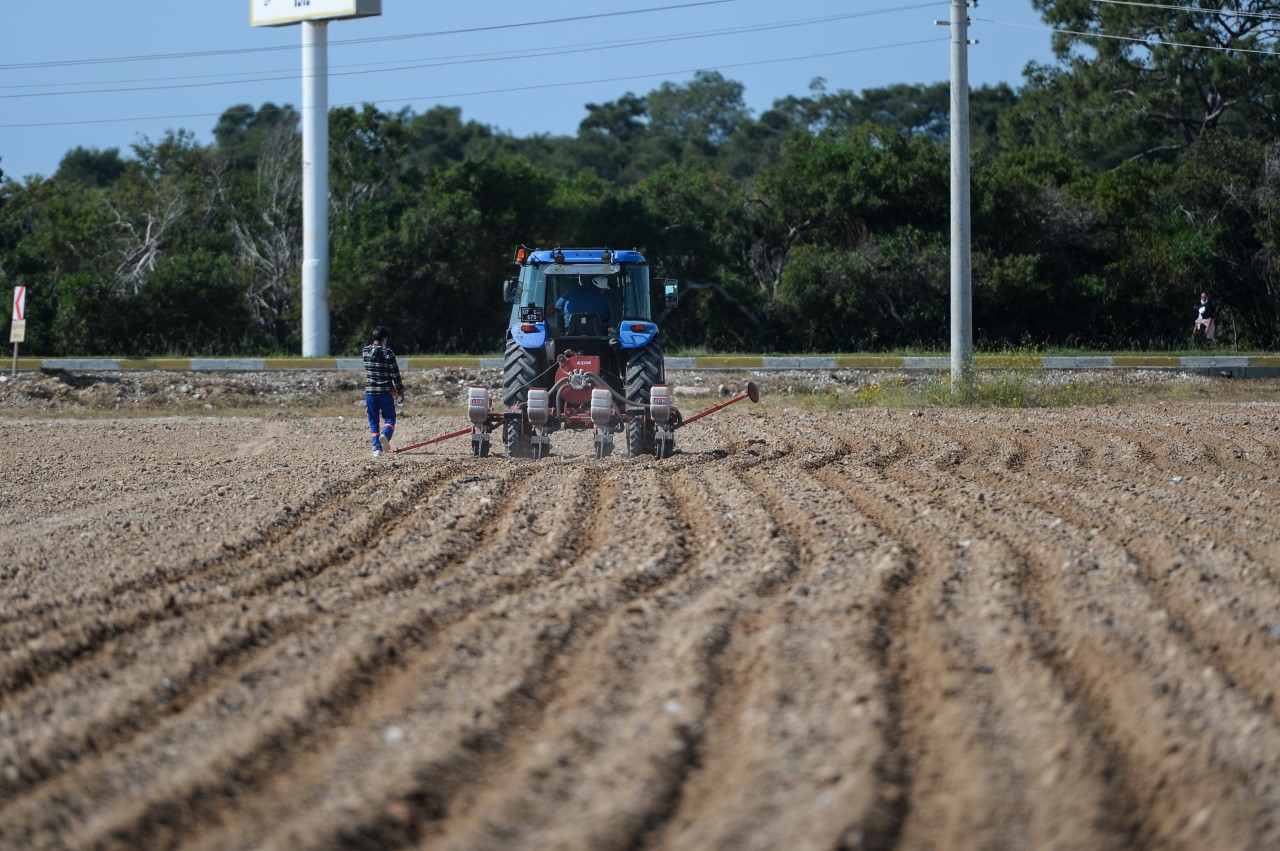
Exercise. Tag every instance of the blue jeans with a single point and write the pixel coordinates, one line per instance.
(384, 405)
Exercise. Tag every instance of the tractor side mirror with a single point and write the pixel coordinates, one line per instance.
(511, 290)
(671, 292)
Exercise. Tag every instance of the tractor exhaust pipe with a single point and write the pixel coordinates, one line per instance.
(753, 393)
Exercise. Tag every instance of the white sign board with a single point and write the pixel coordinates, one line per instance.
(18, 330)
(277, 13)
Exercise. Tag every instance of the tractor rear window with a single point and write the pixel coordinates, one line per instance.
(628, 291)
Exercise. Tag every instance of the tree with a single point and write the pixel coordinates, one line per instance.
(264, 219)
(709, 108)
(55, 238)
(1143, 80)
(91, 167)
(242, 131)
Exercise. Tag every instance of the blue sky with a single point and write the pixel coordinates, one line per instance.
(407, 58)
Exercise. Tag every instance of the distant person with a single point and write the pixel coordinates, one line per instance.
(382, 386)
(586, 298)
(1204, 319)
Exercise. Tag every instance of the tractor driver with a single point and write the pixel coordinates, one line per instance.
(586, 299)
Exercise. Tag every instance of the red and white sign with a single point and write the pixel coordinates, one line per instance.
(18, 328)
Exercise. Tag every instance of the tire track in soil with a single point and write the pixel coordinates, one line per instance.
(804, 696)
(328, 500)
(1170, 454)
(200, 695)
(1212, 619)
(701, 625)
(515, 747)
(545, 463)
(228, 645)
(233, 634)
(437, 787)
(693, 602)
(964, 677)
(1169, 815)
(478, 602)
(745, 660)
(1092, 688)
(135, 832)
(288, 552)
(698, 629)
(1147, 455)
(1082, 612)
(584, 730)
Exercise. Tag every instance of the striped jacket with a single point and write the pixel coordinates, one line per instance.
(381, 373)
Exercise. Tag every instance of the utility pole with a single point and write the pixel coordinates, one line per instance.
(961, 255)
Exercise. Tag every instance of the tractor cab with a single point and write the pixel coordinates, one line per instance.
(590, 296)
(584, 305)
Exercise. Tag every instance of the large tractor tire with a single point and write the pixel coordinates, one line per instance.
(644, 369)
(515, 436)
(519, 368)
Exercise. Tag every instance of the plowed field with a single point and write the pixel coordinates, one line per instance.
(1043, 629)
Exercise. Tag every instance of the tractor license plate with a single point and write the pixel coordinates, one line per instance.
(531, 314)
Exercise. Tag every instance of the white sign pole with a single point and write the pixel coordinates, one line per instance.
(315, 189)
(314, 16)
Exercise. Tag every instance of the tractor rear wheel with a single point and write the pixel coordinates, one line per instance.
(639, 436)
(519, 368)
(644, 369)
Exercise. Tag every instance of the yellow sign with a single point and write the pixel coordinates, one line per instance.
(18, 331)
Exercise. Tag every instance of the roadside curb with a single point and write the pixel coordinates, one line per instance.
(1233, 365)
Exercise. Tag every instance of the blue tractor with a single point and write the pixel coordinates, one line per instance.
(582, 353)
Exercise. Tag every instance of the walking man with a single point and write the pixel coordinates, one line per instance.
(382, 386)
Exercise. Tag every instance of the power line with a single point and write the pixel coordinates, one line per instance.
(1146, 41)
(481, 58)
(529, 88)
(65, 63)
(1194, 9)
